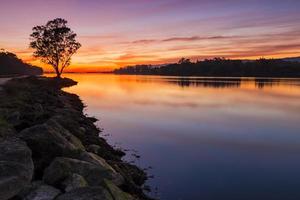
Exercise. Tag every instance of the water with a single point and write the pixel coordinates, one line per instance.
(205, 138)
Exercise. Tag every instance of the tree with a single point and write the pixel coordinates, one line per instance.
(184, 61)
(54, 44)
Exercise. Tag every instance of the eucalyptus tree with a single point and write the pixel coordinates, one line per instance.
(54, 43)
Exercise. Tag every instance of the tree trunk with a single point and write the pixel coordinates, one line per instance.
(56, 68)
(58, 74)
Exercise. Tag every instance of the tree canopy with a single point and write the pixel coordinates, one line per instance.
(54, 44)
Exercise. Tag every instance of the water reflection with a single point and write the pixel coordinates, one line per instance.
(230, 82)
(217, 83)
(205, 138)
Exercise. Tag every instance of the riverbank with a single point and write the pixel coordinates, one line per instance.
(50, 150)
(219, 67)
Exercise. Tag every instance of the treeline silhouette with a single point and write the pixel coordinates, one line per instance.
(10, 64)
(219, 67)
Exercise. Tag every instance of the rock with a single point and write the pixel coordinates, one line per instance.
(69, 121)
(6, 129)
(131, 172)
(14, 118)
(104, 150)
(40, 191)
(87, 193)
(74, 121)
(48, 141)
(116, 193)
(92, 119)
(16, 167)
(97, 160)
(133, 176)
(61, 168)
(94, 148)
(38, 108)
(82, 129)
(73, 182)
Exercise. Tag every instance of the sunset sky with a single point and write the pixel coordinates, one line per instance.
(124, 32)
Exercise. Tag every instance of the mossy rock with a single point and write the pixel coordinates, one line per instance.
(48, 141)
(16, 167)
(116, 192)
(62, 167)
(87, 193)
(38, 190)
(74, 181)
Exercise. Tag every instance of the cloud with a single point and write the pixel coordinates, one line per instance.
(195, 38)
(144, 41)
(136, 57)
(183, 39)
(96, 37)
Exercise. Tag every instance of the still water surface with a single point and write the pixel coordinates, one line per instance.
(204, 138)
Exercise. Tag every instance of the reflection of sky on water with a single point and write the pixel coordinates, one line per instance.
(210, 138)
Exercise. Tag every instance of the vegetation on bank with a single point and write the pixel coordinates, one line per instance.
(219, 67)
(10, 64)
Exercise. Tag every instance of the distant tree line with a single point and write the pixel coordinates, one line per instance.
(10, 64)
(219, 67)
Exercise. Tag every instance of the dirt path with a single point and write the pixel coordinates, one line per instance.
(3, 81)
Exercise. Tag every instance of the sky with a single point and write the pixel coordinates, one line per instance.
(118, 33)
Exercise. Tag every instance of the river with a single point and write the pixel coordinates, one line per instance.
(203, 138)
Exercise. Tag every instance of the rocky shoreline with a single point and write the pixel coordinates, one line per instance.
(50, 150)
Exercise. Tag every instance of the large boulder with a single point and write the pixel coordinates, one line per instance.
(71, 120)
(131, 172)
(16, 167)
(95, 159)
(133, 176)
(115, 192)
(87, 193)
(94, 174)
(39, 191)
(108, 191)
(50, 140)
(74, 181)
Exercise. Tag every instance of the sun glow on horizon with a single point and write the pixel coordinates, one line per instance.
(156, 32)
